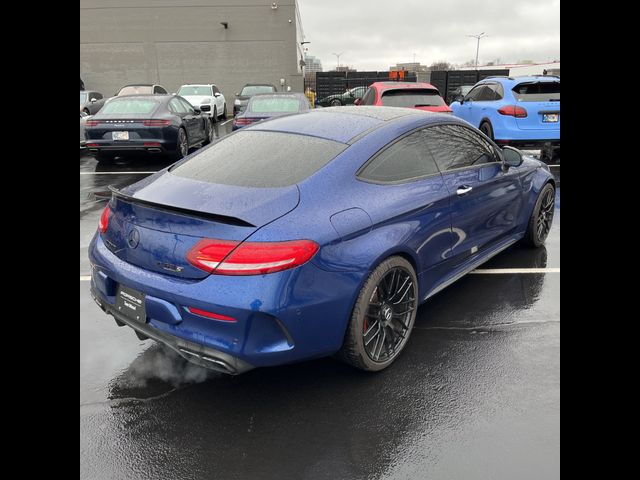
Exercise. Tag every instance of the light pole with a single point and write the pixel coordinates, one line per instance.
(478, 37)
(338, 55)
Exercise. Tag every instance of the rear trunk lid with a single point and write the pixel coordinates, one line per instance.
(155, 224)
(541, 100)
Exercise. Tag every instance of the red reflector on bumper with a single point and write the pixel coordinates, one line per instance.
(215, 316)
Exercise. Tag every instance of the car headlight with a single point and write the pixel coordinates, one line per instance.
(237, 103)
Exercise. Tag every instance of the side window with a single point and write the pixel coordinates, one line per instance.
(455, 146)
(215, 90)
(176, 106)
(158, 89)
(473, 94)
(404, 160)
(186, 105)
(499, 91)
(369, 97)
(486, 94)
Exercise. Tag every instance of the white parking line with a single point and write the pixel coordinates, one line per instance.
(86, 278)
(224, 123)
(116, 173)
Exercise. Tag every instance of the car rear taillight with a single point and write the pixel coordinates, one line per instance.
(513, 111)
(156, 123)
(104, 219)
(215, 316)
(91, 123)
(226, 257)
(151, 144)
(243, 121)
(92, 145)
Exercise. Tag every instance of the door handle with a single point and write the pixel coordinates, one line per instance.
(463, 190)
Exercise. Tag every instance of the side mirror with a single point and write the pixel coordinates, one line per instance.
(237, 94)
(512, 157)
(216, 94)
(288, 88)
(93, 100)
(197, 111)
(357, 101)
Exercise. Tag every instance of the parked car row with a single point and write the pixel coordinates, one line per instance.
(520, 111)
(160, 124)
(310, 234)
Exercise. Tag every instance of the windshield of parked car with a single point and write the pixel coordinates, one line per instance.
(195, 90)
(135, 90)
(135, 105)
(412, 97)
(254, 89)
(465, 89)
(260, 159)
(537, 92)
(273, 104)
(83, 98)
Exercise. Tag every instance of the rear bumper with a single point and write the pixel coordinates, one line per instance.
(281, 318)
(151, 146)
(193, 352)
(533, 144)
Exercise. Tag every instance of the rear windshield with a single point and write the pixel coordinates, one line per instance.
(194, 90)
(274, 104)
(414, 97)
(537, 92)
(260, 159)
(254, 89)
(135, 90)
(137, 106)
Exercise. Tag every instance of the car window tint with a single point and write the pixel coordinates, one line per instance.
(369, 97)
(499, 91)
(411, 97)
(137, 106)
(406, 159)
(159, 89)
(473, 94)
(176, 106)
(455, 146)
(537, 92)
(279, 104)
(486, 94)
(186, 105)
(255, 89)
(260, 159)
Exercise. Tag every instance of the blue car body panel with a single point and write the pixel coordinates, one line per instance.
(509, 128)
(303, 312)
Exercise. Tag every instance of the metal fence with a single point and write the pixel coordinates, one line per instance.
(332, 83)
(447, 81)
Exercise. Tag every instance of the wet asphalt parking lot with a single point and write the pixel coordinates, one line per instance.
(475, 394)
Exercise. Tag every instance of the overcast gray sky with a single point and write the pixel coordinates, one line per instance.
(375, 34)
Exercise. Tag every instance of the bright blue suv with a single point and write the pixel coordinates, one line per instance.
(523, 112)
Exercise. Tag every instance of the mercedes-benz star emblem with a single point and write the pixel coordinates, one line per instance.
(134, 238)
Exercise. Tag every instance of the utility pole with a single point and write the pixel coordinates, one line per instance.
(338, 55)
(478, 37)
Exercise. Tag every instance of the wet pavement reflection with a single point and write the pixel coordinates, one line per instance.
(474, 395)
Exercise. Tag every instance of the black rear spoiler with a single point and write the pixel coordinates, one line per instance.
(183, 211)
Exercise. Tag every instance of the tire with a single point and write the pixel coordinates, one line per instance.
(395, 275)
(487, 129)
(180, 142)
(224, 112)
(541, 218)
(210, 133)
(214, 118)
(335, 103)
(86, 110)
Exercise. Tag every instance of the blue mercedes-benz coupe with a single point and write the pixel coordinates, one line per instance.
(311, 235)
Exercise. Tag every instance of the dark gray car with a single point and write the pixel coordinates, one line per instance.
(90, 101)
(248, 91)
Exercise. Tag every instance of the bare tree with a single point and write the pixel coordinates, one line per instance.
(440, 65)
